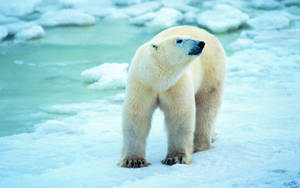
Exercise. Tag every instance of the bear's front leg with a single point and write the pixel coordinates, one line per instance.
(179, 110)
(136, 119)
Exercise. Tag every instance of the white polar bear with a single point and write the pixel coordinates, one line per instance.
(168, 72)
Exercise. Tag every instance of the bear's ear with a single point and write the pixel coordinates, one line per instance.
(154, 46)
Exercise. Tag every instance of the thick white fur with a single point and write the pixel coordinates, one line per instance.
(187, 88)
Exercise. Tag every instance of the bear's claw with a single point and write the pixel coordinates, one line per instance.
(134, 163)
(174, 159)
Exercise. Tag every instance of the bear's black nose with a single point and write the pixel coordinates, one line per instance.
(197, 47)
(201, 44)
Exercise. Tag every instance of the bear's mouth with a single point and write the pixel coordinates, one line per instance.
(195, 51)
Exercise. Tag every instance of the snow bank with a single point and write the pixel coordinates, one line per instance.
(106, 76)
(270, 20)
(30, 33)
(222, 18)
(18, 8)
(66, 17)
(3, 32)
(164, 18)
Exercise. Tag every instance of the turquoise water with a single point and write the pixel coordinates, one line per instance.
(47, 71)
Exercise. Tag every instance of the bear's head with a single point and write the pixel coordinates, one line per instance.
(177, 50)
(160, 63)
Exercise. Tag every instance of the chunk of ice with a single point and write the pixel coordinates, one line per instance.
(265, 4)
(106, 76)
(3, 32)
(270, 20)
(165, 17)
(30, 33)
(7, 20)
(13, 28)
(66, 17)
(142, 8)
(18, 8)
(222, 18)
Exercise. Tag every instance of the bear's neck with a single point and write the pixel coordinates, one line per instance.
(157, 75)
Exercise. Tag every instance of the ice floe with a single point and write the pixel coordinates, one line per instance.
(7, 19)
(66, 17)
(181, 6)
(141, 8)
(222, 18)
(106, 76)
(266, 4)
(3, 32)
(270, 20)
(18, 8)
(126, 2)
(190, 18)
(30, 33)
(165, 17)
(142, 19)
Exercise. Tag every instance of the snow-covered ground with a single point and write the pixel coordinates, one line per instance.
(77, 143)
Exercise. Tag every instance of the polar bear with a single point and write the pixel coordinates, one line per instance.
(181, 71)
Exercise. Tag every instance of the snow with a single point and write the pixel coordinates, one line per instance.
(165, 17)
(222, 18)
(3, 32)
(30, 33)
(66, 17)
(106, 76)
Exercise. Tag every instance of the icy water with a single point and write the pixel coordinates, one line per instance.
(56, 132)
(47, 71)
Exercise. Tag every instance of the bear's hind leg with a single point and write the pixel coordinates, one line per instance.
(207, 106)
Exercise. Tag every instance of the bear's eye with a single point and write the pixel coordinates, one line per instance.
(178, 41)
